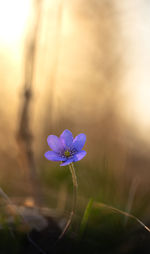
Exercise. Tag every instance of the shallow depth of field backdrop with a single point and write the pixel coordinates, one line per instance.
(81, 65)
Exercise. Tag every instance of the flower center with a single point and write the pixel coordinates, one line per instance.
(67, 153)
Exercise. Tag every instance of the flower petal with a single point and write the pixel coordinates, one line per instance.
(66, 138)
(67, 162)
(79, 141)
(55, 143)
(52, 156)
(79, 156)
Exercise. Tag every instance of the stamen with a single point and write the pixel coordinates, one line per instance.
(67, 153)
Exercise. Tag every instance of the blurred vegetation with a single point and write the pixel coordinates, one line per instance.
(68, 73)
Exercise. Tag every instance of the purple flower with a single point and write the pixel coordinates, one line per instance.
(66, 148)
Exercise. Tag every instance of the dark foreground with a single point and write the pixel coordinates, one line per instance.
(101, 238)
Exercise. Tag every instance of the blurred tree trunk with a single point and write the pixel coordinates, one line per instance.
(24, 135)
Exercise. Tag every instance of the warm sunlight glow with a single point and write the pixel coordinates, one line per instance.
(136, 104)
(140, 105)
(13, 17)
(135, 100)
(142, 101)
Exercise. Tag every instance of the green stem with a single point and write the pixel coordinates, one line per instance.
(75, 188)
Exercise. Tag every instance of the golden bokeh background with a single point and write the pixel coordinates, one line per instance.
(81, 65)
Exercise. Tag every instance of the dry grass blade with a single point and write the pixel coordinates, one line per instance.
(99, 205)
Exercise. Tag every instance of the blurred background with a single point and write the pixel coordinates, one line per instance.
(81, 65)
